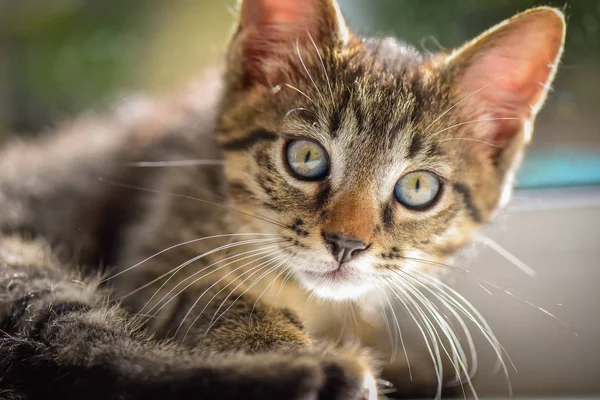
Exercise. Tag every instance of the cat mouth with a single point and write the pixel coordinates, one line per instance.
(342, 273)
(341, 283)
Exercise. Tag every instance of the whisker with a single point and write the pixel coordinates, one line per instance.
(322, 65)
(301, 92)
(472, 140)
(388, 329)
(432, 310)
(262, 266)
(428, 338)
(268, 286)
(342, 331)
(293, 110)
(237, 257)
(473, 315)
(183, 244)
(271, 269)
(176, 163)
(455, 105)
(264, 253)
(401, 337)
(182, 196)
(285, 279)
(472, 122)
(458, 358)
(505, 253)
(479, 282)
(245, 291)
(216, 283)
(356, 324)
(306, 69)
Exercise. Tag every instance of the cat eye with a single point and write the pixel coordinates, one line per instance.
(307, 159)
(417, 190)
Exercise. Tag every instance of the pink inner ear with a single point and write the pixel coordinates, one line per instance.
(276, 12)
(280, 21)
(513, 66)
(271, 29)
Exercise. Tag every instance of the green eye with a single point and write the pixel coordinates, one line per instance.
(308, 160)
(417, 190)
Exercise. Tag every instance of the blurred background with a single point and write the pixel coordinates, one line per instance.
(61, 57)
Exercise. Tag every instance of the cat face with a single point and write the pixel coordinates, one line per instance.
(369, 158)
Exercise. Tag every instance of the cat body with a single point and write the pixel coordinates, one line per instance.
(177, 248)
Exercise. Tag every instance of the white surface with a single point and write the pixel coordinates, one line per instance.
(557, 233)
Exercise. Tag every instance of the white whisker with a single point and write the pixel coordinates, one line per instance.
(175, 163)
(199, 200)
(306, 69)
(506, 254)
(293, 110)
(236, 258)
(261, 265)
(428, 338)
(263, 254)
(400, 333)
(472, 140)
(267, 288)
(472, 122)
(285, 279)
(183, 244)
(322, 65)
(388, 330)
(266, 265)
(457, 357)
(467, 309)
(455, 105)
(301, 92)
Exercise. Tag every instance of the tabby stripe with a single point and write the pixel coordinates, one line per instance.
(323, 194)
(249, 141)
(387, 216)
(358, 114)
(415, 146)
(434, 150)
(238, 190)
(336, 116)
(465, 192)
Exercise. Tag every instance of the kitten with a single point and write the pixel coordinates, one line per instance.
(329, 165)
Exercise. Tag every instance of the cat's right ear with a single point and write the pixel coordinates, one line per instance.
(505, 73)
(270, 32)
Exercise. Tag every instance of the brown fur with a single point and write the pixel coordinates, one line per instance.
(378, 108)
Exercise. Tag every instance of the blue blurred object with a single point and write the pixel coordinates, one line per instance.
(562, 167)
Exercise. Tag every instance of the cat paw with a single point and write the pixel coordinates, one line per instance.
(347, 376)
(299, 376)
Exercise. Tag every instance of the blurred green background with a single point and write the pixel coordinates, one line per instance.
(61, 57)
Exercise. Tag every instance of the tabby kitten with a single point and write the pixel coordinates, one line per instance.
(323, 164)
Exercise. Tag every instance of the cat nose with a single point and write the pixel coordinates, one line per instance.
(343, 248)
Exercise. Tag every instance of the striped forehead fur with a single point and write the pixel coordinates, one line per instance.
(380, 109)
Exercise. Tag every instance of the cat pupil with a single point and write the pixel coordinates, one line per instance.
(418, 185)
(307, 157)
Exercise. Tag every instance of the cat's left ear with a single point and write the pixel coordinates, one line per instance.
(269, 33)
(503, 76)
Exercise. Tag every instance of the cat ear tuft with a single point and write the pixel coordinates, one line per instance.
(506, 72)
(268, 31)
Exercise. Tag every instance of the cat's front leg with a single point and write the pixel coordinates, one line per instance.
(240, 324)
(59, 340)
